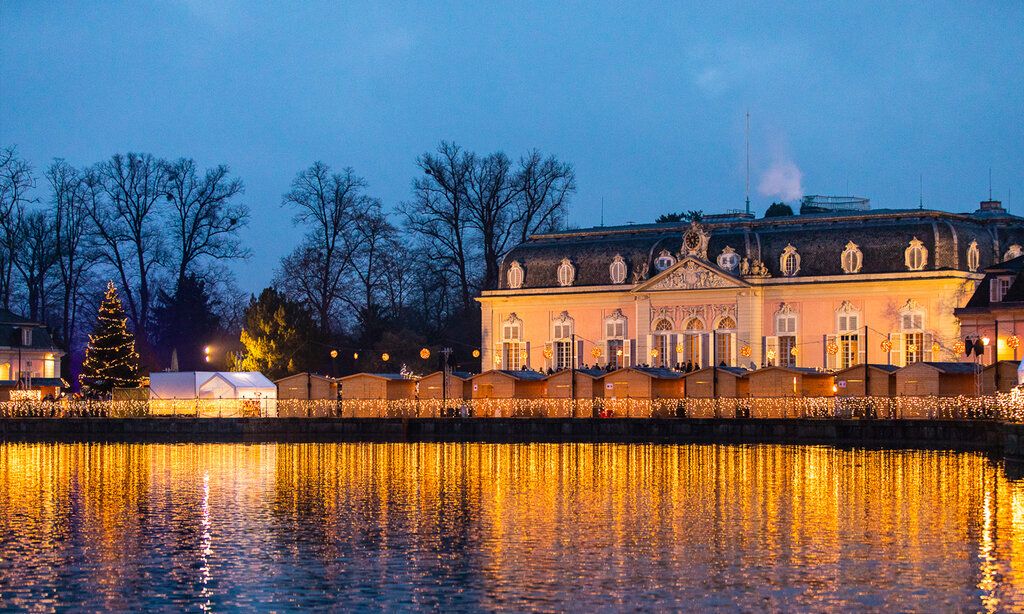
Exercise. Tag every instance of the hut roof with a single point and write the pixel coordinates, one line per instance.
(876, 366)
(519, 374)
(953, 368)
(387, 376)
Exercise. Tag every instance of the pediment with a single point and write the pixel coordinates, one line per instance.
(691, 274)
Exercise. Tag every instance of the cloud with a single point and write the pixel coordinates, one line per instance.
(783, 179)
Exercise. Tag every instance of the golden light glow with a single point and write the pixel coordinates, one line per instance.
(1013, 342)
(476, 353)
(385, 357)
(985, 340)
(832, 348)
(886, 345)
(745, 351)
(425, 353)
(548, 353)
(334, 353)
(355, 355)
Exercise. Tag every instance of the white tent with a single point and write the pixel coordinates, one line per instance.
(211, 385)
(1020, 373)
(214, 393)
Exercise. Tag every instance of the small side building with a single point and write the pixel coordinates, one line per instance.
(939, 379)
(438, 397)
(775, 382)
(867, 380)
(717, 382)
(999, 377)
(501, 393)
(377, 395)
(212, 394)
(573, 397)
(643, 392)
(307, 395)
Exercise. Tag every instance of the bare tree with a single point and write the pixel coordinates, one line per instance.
(16, 180)
(438, 213)
(544, 187)
(204, 219)
(122, 201)
(493, 204)
(34, 258)
(374, 246)
(75, 251)
(328, 204)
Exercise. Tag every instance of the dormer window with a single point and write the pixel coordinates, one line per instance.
(26, 337)
(515, 275)
(789, 261)
(729, 260)
(973, 256)
(916, 255)
(1000, 286)
(566, 273)
(617, 270)
(852, 258)
(664, 260)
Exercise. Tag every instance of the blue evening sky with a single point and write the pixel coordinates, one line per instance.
(647, 101)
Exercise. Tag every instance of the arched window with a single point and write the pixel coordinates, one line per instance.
(973, 256)
(615, 339)
(789, 261)
(725, 334)
(513, 348)
(662, 343)
(692, 340)
(916, 255)
(852, 258)
(566, 273)
(5, 371)
(1014, 251)
(515, 275)
(664, 260)
(729, 260)
(562, 338)
(617, 270)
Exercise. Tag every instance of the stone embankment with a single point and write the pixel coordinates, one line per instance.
(999, 437)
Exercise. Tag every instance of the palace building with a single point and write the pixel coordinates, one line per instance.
(824, 289)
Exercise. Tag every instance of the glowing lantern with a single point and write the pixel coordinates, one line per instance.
(476, 353)
(523, 355)
(654, 352)
(424, 353)
(745, 351)
(385, 357)
(832, 348)
(795, 351)
(679, 348)
(497, 360)
(886, 345)
(618, 352)
(334, 353)
(548, 353)
(355, 355)
(936, 348)
(959, 347)
(596, 352)
(771, 354)
(1013, 342)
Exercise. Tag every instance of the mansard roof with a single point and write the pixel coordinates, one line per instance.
(882, 235)
(10, 332)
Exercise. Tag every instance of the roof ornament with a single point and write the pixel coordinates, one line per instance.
(695, 241)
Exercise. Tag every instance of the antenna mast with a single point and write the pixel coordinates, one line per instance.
(920, 191)
(747, 139)
(602, 212)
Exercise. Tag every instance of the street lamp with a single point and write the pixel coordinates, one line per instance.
(206, 352)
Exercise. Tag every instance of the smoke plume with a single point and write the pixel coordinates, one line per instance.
(783, 180)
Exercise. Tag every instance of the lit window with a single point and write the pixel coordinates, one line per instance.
(729, 260)
(692, 350)
(1015, 251)
(617, 270)
(724, 340)
(848, 329)
(566, 273)
(852, 258)
(785, 328)
(662, 331)
(512, 344)
(973, 256)
(664, 260)
(789, 261)
(615, 338)
(515, 275)
(563, 337)
(916, 255)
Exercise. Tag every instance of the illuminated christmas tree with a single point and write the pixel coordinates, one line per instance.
(110, 358)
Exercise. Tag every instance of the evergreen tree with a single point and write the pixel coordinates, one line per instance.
(110, 358)
(185, 321)
(276, 335)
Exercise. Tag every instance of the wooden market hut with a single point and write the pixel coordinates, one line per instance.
(377, 395)
(1005, 371)
(561, 386)
(641, 392)
(307, 387)
(717, 382)
(433, 386)
(941, 379)
(774, 382)
(866, 380)
(504, 393)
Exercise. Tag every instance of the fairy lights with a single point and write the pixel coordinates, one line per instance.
(832, 348)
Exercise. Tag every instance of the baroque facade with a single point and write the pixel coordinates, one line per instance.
(826, 290)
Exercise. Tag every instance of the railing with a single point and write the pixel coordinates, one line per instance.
(1009, 406)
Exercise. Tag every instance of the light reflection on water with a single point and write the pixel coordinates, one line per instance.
(543, 526)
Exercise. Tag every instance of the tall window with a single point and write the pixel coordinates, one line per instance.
(5, 371)
(692, 342)
(515, 275)
(915, 256)
(26, 336)
(566, 273)
(661, 341)
(912, 327)
(563, 327)
(973, 256)
(852, 258)
(848, 329)
(512, 346)
(724, 340)
(617, 270)
(785, 328)
(789, 261)
(615, 339)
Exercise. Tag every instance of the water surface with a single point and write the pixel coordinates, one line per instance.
(469, 526)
